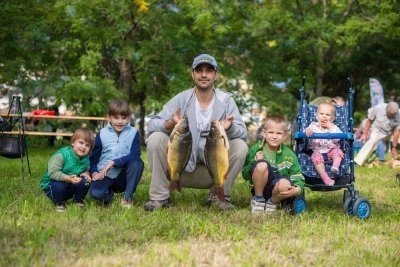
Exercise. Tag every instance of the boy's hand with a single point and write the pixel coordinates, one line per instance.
(73, 179)
(309, 132)
(86, 175)
(104, 171)
(291, 192)
(227, 122)
(259, 156)
(97, 176)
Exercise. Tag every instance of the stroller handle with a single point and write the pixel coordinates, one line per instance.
(347, 136)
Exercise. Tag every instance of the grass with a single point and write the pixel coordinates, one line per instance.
(190, 234)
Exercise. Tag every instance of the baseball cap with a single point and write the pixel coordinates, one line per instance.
(204, 58)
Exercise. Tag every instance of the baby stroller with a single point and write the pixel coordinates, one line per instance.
(353, 204)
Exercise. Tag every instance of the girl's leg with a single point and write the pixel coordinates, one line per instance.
(336, 155)
(318, 161)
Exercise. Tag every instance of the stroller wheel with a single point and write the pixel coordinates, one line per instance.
(362, 208)
(348, 206)
(347, 194)
(298, 205)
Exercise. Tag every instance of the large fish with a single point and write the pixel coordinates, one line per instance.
(178, 153)
(217, 157)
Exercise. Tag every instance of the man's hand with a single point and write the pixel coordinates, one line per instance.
(176, 116)
(227, 122)
(363, 138)
(394, 153)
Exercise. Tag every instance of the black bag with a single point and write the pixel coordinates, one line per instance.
(5, 125)
(12, 147)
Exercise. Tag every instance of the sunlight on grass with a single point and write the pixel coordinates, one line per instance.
(190, 233)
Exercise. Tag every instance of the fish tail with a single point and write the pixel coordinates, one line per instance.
(219, 192)
(175, 186)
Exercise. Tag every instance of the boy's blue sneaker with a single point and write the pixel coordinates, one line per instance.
(257, 206)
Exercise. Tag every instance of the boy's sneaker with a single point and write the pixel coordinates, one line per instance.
(158, 204)
(126, 203)
(257, 206)
(80, 204)
(60, 208)
(334, 169)
(270, 206)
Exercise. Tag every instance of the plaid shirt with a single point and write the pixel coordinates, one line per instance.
(380, 122)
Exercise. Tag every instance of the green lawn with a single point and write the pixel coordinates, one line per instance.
(191, 234)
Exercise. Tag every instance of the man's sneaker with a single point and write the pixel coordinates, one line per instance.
(270, 206)
(223, 205)
(212, 198)
(60, 208)
(158, 204)
(257, 206)
(126, 203)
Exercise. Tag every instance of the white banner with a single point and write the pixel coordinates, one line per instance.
(376, 92)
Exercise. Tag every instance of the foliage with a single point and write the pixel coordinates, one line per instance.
(191, 234)
(145, 48)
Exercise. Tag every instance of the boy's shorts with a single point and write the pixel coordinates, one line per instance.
(273, 177)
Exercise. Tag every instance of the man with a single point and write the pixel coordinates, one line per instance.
(201, 104)
(383, 119)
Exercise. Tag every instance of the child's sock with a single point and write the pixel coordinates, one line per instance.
(336, 165)
(327, 180)
(260, 198)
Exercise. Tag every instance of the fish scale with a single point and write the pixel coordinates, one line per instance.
(178, 152)
(217, 157)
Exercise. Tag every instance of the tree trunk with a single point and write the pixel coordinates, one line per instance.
(319, 73)
(126, 77)
(142, 98)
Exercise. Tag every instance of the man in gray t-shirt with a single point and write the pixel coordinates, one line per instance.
(383, 119)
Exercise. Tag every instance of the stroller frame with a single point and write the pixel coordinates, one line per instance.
(353, 204)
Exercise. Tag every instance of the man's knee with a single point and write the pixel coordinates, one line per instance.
(156, 141)
(238, 149)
